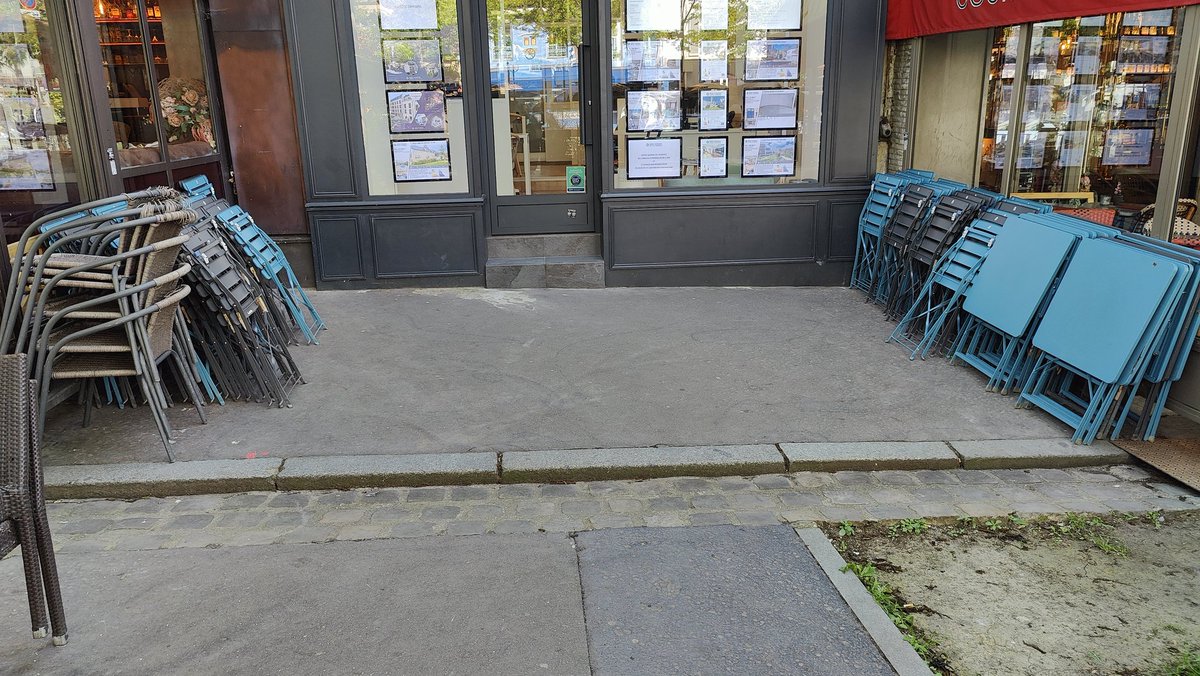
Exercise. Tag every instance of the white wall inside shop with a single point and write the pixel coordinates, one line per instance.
(949, 94)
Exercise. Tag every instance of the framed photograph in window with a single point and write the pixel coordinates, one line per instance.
(416, 111)
(414, 161)
(769, 109)
(654, 110)
(768, 156)
(772, 59)
(418, 60)
(714, 156)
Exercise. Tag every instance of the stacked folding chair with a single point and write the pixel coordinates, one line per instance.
(240, 331)
(272, 268)
(912, 213)
(880, 207)
(934, 312)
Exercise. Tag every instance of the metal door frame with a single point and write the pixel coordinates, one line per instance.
(590, 62)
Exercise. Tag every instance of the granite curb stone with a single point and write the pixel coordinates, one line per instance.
(869, 456)
(639, 463)
(141, 480)
(1036, 453)
(384, 471)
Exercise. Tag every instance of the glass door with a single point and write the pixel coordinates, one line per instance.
(155, 82)
(540, 115)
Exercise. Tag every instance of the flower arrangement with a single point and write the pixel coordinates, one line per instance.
(184, 104)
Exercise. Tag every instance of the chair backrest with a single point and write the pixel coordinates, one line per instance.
(198, 185)
(257, 244)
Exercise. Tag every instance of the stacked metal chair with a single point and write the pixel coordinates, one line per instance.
(880, 207)
(94, 297)
(912, 213)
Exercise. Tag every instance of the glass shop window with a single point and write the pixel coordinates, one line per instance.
(1094, 113)
(409, 65)
(156, 80)
(716, 92)
(38, 173)
(1002, 69)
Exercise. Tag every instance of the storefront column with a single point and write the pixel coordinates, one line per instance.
(1176, 148)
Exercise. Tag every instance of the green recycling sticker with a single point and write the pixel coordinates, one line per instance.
(576, 179)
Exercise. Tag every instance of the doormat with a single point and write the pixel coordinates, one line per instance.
(1179, 458)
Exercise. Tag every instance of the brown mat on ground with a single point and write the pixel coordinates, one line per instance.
(1180, 458)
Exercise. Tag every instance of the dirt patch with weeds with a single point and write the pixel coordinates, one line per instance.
(1073, 594)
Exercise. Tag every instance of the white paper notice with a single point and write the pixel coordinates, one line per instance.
(713, 153)
(770, 109)
(1072, 145)
(773, 15)
(714, 15)
(768, 156)
(408, 15)
(714, 109)
(714, 60)
(653, 15)
(655, 158)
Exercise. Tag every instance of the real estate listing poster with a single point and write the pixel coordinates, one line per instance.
(768, 156)
(402, 15)
(1127, 147)
(769, 109)
(653, 15)
(714, 15)
(772, 59)
(653, 60)
(714, 109)
(654, 111)
(417, 112)
(1072, 146)
(714, 153)
(412, 61)
(714, 60)
(421, 160)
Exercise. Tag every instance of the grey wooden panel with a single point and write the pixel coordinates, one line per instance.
(854, 66)
(843, 228)
(424, 244)
(711, 232)
(323, 96)
(338, 247)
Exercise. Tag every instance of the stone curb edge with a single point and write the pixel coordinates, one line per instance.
(879, 627)
(140, 480)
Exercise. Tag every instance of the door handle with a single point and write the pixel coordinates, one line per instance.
(585, 91)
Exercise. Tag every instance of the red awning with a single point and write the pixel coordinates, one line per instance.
(912, 18)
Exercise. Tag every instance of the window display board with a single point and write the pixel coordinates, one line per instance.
(751, 69)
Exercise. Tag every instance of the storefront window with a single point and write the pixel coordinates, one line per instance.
(38, 172)
(716, 92)
(155, 78)
(411, 91)
(1002, 69)
(1096, 95)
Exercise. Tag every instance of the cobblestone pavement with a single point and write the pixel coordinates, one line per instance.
(798, 498)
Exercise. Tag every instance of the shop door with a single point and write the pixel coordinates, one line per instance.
(150, 75)
(543, 73)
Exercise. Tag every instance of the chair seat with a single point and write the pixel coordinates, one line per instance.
(105, 312)
(111, 341)
(63, 261)
(94, 365)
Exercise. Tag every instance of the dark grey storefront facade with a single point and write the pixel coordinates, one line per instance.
(741, 229)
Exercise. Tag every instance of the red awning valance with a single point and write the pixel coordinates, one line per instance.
(912, 18)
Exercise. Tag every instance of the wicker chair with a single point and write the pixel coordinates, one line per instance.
(23, 518)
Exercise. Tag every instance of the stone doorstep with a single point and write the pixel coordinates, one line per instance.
(138, 480)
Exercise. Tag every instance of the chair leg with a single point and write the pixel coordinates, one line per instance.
(26, 535)
(41, 527)
(189, 384)
(160, 416)
(89, 394)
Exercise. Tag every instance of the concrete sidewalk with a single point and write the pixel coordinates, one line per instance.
(485, 605)
(467, 370)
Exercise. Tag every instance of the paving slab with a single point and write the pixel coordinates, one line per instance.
(359, 471)
(719, 599)
(139, 480)
(462, 370)
(465, 605)
(869, 456)
(599, 464)
(1030, 453)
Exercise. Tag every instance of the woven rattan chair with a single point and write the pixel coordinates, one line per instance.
(23, 518)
